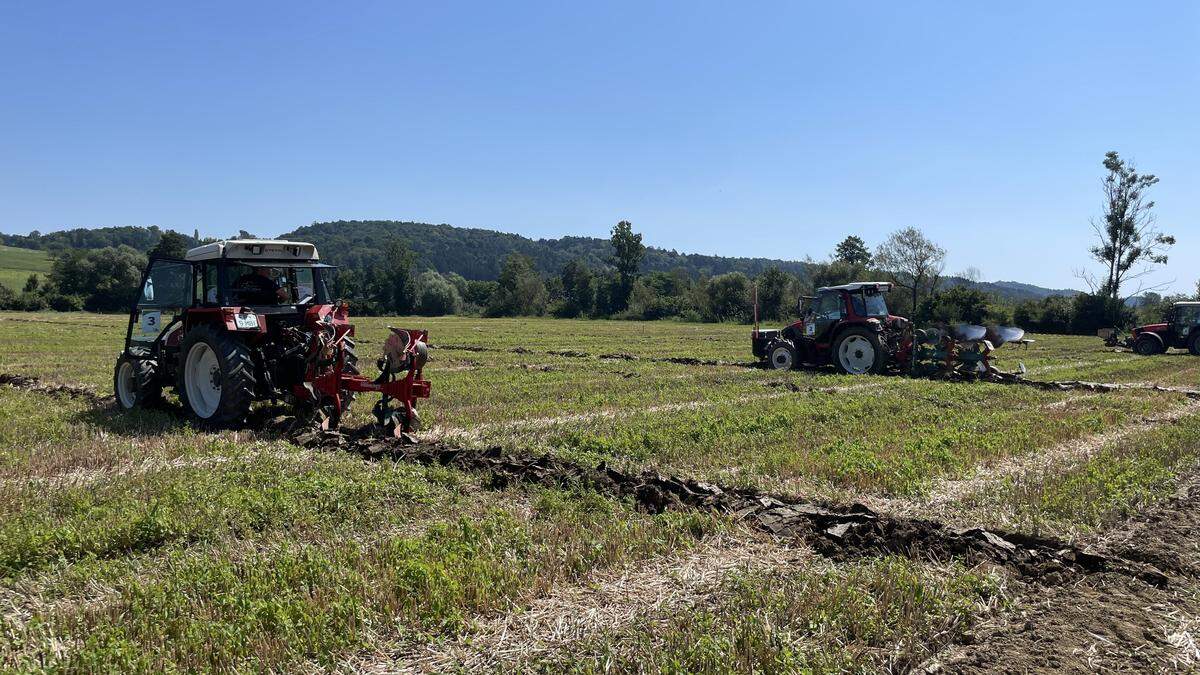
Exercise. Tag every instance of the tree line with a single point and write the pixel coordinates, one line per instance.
(394, 279)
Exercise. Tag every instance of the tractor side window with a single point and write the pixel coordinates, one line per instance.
(830, 306)
(1187, 316)
(210, 284)
(324, 284)
(305, 285)
(167, 290)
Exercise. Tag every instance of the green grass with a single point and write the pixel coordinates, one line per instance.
(16, 264)
(870, 616)
(1104, 488)
(131, 541)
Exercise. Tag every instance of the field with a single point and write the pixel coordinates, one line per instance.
(16, 264)
(135, 542)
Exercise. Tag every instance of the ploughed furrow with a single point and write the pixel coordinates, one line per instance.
(1105, 622)
(1101, 387)
(31, 383)
(835, 531)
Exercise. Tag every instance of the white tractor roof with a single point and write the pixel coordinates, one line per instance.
(255, 249)
(883, 286)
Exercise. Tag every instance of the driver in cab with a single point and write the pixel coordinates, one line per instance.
(258, 287)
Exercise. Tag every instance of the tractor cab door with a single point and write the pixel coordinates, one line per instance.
(1184, 320)
(827, 310)
(168, 287)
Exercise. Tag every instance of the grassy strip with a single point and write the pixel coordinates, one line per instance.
(139, 513)
(314, 602)
(871, 615)
(892, 441)
(1110, 486)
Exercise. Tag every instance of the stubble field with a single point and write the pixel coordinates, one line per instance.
(134, 542)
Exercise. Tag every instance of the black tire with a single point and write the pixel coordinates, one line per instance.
(858, 361)
(782, 356)
(135, 383)
(1194, 343)
(234, 377)
(1148, 344)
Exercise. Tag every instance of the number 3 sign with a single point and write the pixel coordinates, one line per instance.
(150, 322)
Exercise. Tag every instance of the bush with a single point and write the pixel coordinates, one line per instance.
(64, 303)
(436, 295)
(729, 297)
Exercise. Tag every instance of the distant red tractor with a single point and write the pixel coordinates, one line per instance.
(847, 326)
(1181, 330)
(241, 321)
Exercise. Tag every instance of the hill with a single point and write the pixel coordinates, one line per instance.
(1011, 290)
(16, 264)
(478, 254)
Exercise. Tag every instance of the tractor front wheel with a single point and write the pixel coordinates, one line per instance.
(783, 356)
(859, 352)
(1148, 344)
(135, 383)
(216, 380)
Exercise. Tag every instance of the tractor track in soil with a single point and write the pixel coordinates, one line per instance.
(832, 530)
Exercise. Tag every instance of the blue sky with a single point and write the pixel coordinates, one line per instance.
(729, 128)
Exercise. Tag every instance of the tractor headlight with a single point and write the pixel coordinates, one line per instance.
(245, 321)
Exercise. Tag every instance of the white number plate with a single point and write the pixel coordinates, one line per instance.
(244, 321)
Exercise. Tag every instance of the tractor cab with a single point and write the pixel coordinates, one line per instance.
(833, 305)
(261, 274)
(1183, 318)
(1180, 328)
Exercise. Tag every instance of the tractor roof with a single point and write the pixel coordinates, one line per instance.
(255, 249)
(1187, 303)
(882, 286)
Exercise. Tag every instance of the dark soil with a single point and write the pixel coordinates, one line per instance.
(836, 531)
(1103, 622)
(31, 383)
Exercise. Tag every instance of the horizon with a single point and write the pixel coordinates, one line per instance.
(983, 127)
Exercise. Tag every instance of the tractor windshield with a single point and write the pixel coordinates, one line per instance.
(869, 304)
(285, 284)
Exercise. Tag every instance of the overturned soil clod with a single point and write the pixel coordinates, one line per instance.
(32, 383)
(836, 531)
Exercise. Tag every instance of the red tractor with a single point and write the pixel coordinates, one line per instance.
(848, 326)
(240, 321)
(1181, 329)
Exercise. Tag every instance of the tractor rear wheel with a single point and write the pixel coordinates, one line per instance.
(1194, 344)
(135, 383)
(783, 356)
(1148, 344)
(859, 352)
(216, 379)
